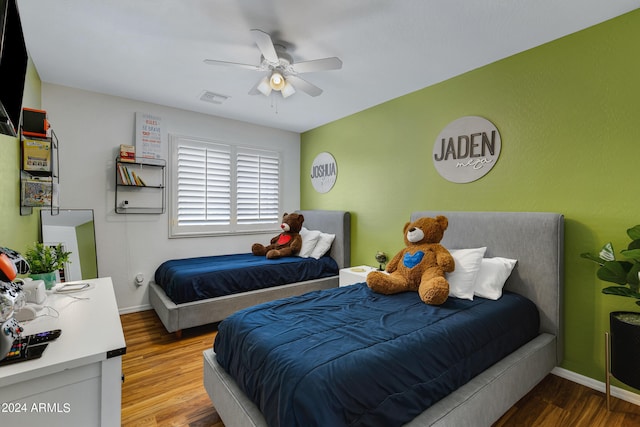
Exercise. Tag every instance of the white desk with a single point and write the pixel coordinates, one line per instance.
(78, 379)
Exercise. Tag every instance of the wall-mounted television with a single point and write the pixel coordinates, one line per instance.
(13, 67)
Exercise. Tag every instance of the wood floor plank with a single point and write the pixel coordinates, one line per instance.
(163, 386)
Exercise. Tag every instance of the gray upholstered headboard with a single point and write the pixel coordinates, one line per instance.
(332, 222)
(535, 239)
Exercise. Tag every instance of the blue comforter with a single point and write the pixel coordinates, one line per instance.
(350, 357)
(193, 279)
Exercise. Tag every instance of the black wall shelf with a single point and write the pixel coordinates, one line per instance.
(140, 187)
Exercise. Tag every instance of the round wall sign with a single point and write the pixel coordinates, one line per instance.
(466, 149)
(324, 172)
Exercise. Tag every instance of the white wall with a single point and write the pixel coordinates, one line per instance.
(90, 128)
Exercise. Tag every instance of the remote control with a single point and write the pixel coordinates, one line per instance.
(43, 337)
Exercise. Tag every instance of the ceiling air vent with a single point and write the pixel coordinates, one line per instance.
(214, 98)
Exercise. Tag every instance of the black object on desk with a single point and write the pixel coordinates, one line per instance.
(30, 347)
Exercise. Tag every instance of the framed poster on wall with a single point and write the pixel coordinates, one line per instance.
(148, 139)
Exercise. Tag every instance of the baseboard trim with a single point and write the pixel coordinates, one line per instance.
(597, 385)
(135, 309)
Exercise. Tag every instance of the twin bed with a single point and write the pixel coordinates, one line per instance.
(184, 293)
(348, 356)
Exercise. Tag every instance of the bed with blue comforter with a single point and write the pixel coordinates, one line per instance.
(347, 356)
(350, 357)
(194, 279)
(196, 291)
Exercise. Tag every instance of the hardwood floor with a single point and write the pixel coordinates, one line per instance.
(556, 401)
(163, 386)
(163, 375)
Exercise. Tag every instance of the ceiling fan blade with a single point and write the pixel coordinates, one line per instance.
(265, 44)
(233, 64)
(254, 90)
(324, 64)
(304, 85)
(264, 81)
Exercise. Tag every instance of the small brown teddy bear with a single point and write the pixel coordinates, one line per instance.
(420, 266)
(287, 243)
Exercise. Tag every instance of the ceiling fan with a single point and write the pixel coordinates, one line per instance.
(282, 73)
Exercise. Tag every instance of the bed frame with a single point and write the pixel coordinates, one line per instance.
(176, 317)
(536, 240)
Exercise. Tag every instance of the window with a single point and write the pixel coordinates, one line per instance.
(219, 188)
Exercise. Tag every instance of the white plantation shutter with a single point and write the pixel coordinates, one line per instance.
(258, 187)
(220, 188)
(204, 185)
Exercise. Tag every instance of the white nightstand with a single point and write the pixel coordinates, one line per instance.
(357, 274)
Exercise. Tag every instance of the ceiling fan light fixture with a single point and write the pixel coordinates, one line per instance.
(264, 87)
(278, 64)
(276, 81)
(289, 90)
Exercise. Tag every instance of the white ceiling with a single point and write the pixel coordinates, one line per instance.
(153, 50)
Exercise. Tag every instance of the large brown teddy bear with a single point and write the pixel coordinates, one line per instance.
(420, 266)
(287, 243)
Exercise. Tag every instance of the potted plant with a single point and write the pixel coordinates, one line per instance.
(624, 325)
(45, 261)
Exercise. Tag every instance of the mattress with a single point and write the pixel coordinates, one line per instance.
(350, 357)
(194, 279)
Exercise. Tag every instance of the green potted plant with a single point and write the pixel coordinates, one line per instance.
(44, 261)
(624, 325)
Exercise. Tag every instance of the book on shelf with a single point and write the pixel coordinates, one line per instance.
(132, 179)
(122, 174)
(38, 192)
(138, 181)
(36, 155)
(127, 153)
(129, 177)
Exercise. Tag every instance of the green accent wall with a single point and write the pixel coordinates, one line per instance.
(17, 232)
(568, 113)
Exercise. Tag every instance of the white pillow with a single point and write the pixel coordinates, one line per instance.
(492, 275)
(462, 279)
(309, 241)
(323, 245)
